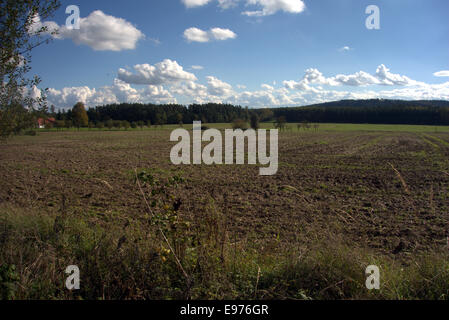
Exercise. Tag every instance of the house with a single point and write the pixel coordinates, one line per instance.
(43, 123)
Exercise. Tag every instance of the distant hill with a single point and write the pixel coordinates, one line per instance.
(383, 103)
(429, 112)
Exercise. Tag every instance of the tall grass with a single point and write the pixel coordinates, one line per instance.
(133, 261)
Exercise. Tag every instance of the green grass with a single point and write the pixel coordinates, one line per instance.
(134, 263)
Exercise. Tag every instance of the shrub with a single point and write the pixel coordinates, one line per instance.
(117, 124)
(140, 123)
(255, 121)
(31, 132)
(126, 124)
(110, 124)
(239, 124)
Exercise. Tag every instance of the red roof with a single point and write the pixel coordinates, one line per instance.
(42, 121)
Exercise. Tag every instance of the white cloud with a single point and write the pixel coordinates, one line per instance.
(267, 87)
(37, 25)
(357, 79)
(197, 35)
(195, 92)
(314, 76)
(443, 73)
(167, 82)
(345, 49)
(226, 4)
(383, 76)
(99, 31)
(218, 88)
(157, 94)
(267, 7)
(117, 93)
(390, 79)
(270, 7)
(194, 67)
(222, 34)
(195, 3)
(164, 72)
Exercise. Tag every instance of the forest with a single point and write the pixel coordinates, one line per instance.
(375, 111)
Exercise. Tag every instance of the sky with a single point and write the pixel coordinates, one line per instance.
(255, 53)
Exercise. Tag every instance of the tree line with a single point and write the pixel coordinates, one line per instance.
(151, 114)
(346, 111)
(376, 111)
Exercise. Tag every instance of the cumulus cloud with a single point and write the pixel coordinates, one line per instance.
(164, 72)
(222, 34)
(256, 98)
(218, 88)
(197, 35)
(357, 79)
(215, 90)
(443, 73)
(195, 3)
(267, 87)
(116, 93)
(269, 7)
(383, 76)
(387, 78)
(195, 67)
(99, 31)
(167, 82)
(193, 91)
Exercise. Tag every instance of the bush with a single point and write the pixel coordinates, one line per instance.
(141, 124)
(110, 124)
(126, 124)
(30, 132)
(239, 124)
(117, 124)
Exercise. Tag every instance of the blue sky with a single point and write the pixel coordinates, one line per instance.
(260, 53)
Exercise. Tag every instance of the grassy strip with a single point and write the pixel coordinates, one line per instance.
(134, 263)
